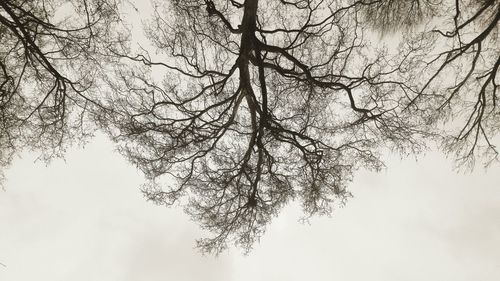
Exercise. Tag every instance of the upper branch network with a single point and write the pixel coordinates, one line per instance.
(258, 108)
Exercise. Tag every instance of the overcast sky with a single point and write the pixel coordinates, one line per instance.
(85, 219)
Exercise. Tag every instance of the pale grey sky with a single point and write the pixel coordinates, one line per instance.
(85, 219)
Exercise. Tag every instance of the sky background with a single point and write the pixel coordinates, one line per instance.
(85, 219)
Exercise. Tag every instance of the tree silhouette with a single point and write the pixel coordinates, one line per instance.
(263, 102)
(471, 56)
(239, 107)
(459, 67)
(49, 58)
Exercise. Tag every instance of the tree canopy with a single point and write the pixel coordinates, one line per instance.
(50, 55)
(239, 107)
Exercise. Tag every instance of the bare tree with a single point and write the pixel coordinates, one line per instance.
(262, 102)
(50, 54)
(391, 16)
(463, 79)
(459, 67)
(241, 106)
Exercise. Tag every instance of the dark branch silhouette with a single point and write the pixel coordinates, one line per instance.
(234, 108)
(263, 103)
(462, 79)
(49, 58)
